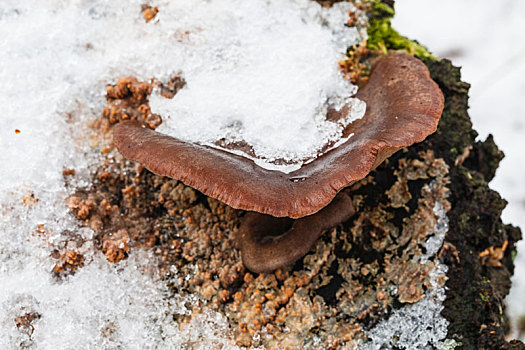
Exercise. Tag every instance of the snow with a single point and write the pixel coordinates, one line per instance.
(419, 325)
(280, 113)
(486, 39)
(55, 59)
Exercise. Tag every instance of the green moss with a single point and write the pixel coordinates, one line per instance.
(381, 35)
(484, 298)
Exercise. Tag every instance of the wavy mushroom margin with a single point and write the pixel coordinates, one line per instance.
(403, 107)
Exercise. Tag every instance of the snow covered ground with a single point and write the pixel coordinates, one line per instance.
(485, 38)
(55, 59)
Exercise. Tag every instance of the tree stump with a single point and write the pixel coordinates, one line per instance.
(425, 262)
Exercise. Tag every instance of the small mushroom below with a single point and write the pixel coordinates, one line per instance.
(268, 242)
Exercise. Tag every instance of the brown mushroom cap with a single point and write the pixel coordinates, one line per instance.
(403, 107)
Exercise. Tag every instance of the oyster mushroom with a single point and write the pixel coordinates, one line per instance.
(403, 107)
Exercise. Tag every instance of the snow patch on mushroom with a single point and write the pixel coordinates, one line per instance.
(262, 73)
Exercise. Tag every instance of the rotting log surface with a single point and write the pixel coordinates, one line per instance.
(476, 290)
(342, 287)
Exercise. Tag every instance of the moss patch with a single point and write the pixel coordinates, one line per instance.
(381, 35)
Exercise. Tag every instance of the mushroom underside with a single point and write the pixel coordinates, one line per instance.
(267, 242)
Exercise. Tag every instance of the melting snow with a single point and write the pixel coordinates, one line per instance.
(55, 59)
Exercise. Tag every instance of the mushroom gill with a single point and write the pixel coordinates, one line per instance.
(403, 107)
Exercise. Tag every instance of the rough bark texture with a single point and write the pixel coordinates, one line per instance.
(476, 286)
(474, 304)
(343, 287)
